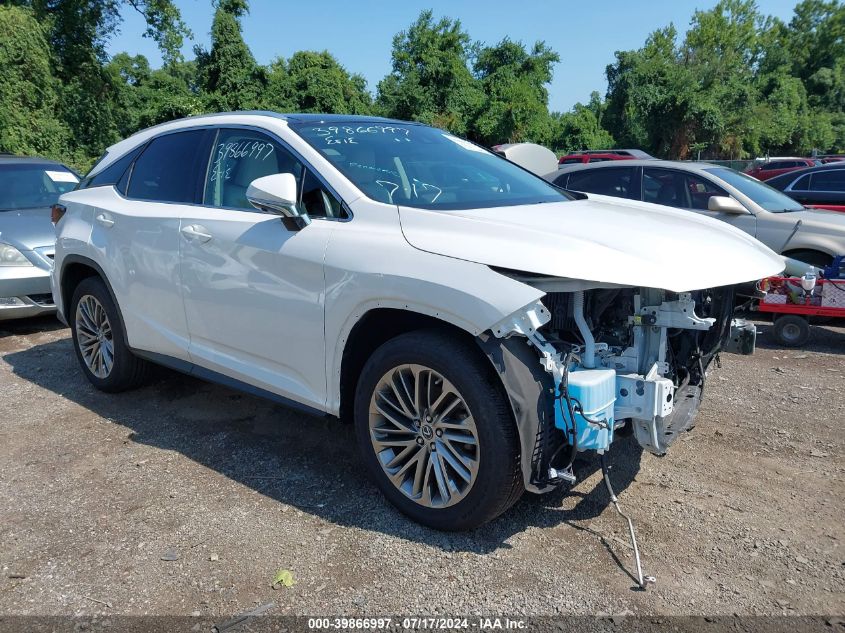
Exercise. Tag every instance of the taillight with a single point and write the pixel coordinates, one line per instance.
(56, 213)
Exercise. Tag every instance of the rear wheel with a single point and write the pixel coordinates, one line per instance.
(436, 432)
(792, 330)
(99, 340)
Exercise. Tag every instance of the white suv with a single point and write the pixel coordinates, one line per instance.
(479, 325)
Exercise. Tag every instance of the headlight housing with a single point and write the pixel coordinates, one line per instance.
(10, 256)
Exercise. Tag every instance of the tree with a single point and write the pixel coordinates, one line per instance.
(315, 82)
(430, 80)
(145, 97)
(581, 128)
(515, 106)
(229, 75)
(28, 90)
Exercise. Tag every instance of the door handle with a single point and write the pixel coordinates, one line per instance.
(196, 232)
(105, 220)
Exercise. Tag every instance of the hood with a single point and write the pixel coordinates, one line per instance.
(26, 229)
(600, 239)
(819, 218)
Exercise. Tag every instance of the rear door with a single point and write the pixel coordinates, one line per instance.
(136, 235)
(254, 290)
(620, 182)
(827, 187)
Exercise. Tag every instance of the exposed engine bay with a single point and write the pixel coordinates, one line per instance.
(621, 357)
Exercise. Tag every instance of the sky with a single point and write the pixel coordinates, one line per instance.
(360, 34)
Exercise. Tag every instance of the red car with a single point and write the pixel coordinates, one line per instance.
(601, 155)
(777, 166)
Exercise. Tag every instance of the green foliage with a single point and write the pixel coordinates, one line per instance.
(431, 81)
(229, 76)
(738, 83)
(28, 92)
(581, 128)
(315, 82)
(515, 106)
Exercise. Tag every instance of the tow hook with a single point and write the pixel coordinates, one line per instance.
(642, 581)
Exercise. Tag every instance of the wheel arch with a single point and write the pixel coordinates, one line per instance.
(816, 253)
(373, 328)
(75, 269)
(513, 364)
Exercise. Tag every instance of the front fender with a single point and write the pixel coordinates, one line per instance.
(467, 295)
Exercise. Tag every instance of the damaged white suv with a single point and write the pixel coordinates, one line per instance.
(479, 325)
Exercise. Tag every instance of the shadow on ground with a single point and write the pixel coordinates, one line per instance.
(25, 327)
(306, 462)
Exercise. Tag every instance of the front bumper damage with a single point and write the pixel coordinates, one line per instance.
(658, 408)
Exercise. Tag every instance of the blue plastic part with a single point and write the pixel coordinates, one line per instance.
(595, 390)
(837, 269)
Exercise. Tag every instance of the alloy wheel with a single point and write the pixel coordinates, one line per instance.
(424, 436)
(94, 336)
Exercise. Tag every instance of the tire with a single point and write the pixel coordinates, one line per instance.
(791, 330)
(485, 447)
(93, 314)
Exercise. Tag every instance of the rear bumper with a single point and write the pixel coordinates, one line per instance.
(25, 292)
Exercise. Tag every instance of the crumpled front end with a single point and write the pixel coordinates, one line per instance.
(618, 357)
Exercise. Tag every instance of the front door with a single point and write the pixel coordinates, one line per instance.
(254, 290)
(685, 190)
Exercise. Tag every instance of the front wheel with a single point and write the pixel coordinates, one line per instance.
(436, 432)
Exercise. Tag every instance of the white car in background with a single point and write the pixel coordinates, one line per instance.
(478, 325)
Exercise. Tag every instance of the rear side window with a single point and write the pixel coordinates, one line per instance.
(780, 164)
(620, 182)
(803, 184)
(168, 169)
(833, 180)
(561, 181)
(112, 174)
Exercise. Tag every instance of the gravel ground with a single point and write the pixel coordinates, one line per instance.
(97, 492)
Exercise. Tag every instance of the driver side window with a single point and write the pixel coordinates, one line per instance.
(238, 158)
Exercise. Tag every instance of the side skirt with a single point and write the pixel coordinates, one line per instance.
(208, 375)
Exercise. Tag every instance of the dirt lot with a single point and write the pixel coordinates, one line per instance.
(745, 514)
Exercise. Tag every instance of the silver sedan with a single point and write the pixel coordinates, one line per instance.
(809, 235)
(28, 188)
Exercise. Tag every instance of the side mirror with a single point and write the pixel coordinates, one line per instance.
(277, 194)
(726, 204)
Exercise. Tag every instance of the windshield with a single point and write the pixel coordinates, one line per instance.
(767, 197)
(423, 167)
(28, 185)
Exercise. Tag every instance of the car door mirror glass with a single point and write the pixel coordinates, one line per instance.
(277, 194)
(725, 204)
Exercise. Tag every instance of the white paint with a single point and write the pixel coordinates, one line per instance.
(61, 176)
